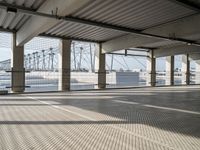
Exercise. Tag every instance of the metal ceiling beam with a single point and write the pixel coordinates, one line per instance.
(69, 38)
(124, 29)
(171, 21)
(176, 50)
(93, 23)
(7, 5)
(54, 36)
(187, 4)
(100, 24)
(7, 30)
(127, 54)
(138, 49)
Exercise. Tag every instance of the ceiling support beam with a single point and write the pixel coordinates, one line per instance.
(127, 41)
(7, 30)
(187, 28)
(134, 55)
(94, 23)
(176, 50)
(53, 36)
(195, 56)
(68, 38)
(187, 4)
(43, 19)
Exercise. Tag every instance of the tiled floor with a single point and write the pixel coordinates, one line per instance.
(128, 119)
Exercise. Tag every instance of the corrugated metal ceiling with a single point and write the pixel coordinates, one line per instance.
(13, 21)
(137, 14)
(140, 14)
(34, 4)
(82, 31)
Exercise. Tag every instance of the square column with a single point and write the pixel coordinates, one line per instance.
(17, 64)
(100, 66)
(64, 65)
(169, 80)
(185, 69)
(197, 71)
(151, 69)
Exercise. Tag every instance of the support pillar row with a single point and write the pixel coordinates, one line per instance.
(197, 71)
(64, 65)
(185, 69)
(17, 65)
(101, 66)
(151, 69)
(169, 70)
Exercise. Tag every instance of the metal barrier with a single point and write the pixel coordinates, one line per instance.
(38, 81)
(5, 81)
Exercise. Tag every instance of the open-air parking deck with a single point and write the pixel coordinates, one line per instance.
(66, 45)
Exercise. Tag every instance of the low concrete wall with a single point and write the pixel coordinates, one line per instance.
(89, 77)
(127, 78)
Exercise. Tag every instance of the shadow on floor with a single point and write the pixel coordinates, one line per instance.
(173, 121)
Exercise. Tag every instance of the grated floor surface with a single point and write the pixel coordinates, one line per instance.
(166, 118)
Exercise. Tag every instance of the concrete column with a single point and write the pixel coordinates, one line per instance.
(100, 66)
(169, 79)
(197, 71)
(185, 69)
(151, 69)
(64, 65)
(17, 64)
